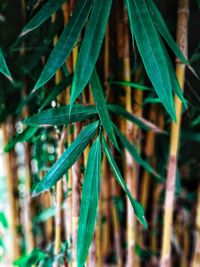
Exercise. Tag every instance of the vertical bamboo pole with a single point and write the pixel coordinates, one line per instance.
(106, 242)
(13, 222)
(129, 166)
(29, 238)
(67, 10)
(182, 29)
(196, 256)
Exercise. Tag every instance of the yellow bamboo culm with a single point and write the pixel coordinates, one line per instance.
(129, 166)
(183, 12)
(15, 248)
(196, 256)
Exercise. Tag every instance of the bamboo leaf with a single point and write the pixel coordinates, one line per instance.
(89, 202)
(33, 258)
(162, 27)
(90, 47)
(44, 13)
(132, 84)
(100, 101)
(4, 68)
(67, 159)
(141, 122)
(66, 41)
(25, 136)
(135, 154)
(61, 115)
(149, 46)
(139, 211)
(59, 88)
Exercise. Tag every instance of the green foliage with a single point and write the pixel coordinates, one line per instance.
(66, 41)
(90, 47)
(4, 68)
(139, 211)
(101, 107)
(61, 115)
(67, 159)
(44, 13)
(89, 202)
(151, 52)
(32, 259)
(25, 136)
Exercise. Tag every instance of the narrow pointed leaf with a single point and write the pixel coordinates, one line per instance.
(135, 154)
(102, 109)
(66, 41)
(141, 122)
(151, 52)
(162, 27)
(25, 136)
(43, 14)
(71, 155)
(90, 46)
(132, 84)
(89, 202)
(139, 211)
(61, 115)
(4, 68)
(59, 88)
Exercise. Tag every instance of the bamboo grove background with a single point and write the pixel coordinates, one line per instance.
(99, 158)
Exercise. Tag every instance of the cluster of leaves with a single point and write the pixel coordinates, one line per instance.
(148, 30)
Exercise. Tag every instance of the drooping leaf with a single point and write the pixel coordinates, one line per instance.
(4, 68)
(43, 14)
(59, 88)
(25, 136)
(90, 47)
(31, 259)
(139, 211)
(135, 154)
(66, 41)
(72, 154)
(89, 202)
(162, 27)
(141, 122)
(132, 84)
(61, 115)
(100, 101)
(151, 52)
(175, 84)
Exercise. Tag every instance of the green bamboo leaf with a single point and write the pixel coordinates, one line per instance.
(152, 100)
(141, 122)
(135, 154)
(66, 41)
(132, 84)
(31, 259)
(90, 47)
(139, 211)
(175, 84)
(44, 13)
(72, 154)
(150, 48)
(4, 68)
(59, 88)
(89, 202)
(100, 101)
(61, 116)
(162, 27)
(25, 136)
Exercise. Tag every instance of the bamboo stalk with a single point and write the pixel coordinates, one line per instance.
(129, 166)
(183, 12)
(196, 255)
(11, 184)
